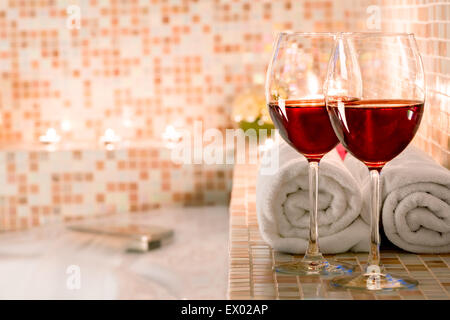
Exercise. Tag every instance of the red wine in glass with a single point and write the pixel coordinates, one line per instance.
(375, 131)
(305, 125)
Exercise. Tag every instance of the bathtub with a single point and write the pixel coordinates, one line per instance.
(42, 263)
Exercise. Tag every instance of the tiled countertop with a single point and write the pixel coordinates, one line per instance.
(251, 260)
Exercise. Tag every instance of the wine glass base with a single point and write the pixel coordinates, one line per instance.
(374, 282)
(316, 266)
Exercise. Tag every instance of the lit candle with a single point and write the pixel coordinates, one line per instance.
(50, 137)
(109, 138)
(171, 136)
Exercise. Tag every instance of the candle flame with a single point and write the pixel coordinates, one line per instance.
(313, 84)
(109, 137)
(50, 136)
(171, 134)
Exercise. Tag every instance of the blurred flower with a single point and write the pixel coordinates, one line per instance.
(265, 116)
(250, 106)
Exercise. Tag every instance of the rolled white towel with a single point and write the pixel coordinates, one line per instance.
(282, 203)
(415, 200)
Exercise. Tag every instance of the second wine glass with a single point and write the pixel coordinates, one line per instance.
(375, 98)
(296, 104)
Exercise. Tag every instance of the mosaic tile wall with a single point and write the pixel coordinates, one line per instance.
(136, 66)
(40, 187)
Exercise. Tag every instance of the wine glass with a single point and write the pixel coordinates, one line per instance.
(294, 94)
(375, 95)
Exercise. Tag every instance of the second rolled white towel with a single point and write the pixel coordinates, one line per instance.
(282, 203)
(415, 200)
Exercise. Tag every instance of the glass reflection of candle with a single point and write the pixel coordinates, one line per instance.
(335, 88)
(313, 87)
(109, 138)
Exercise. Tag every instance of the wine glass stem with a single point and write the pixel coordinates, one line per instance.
(374, 254)
(313, 245)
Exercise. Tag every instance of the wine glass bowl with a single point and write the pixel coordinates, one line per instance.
(298, 126)
(375, 96)
(396, 122)
(294, 92)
